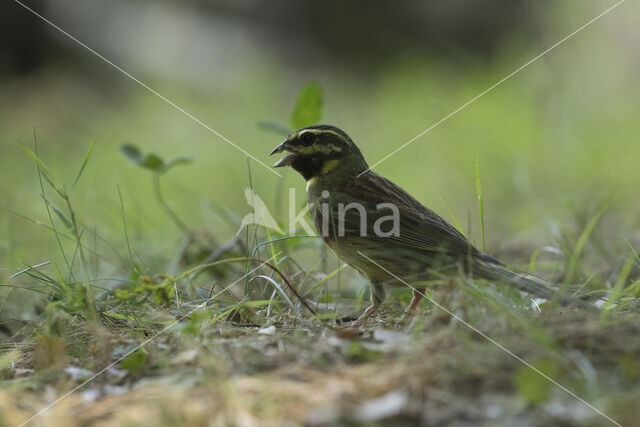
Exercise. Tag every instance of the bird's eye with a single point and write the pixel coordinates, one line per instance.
(307, 139)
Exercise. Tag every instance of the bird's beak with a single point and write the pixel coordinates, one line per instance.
(280, 148)
(289, 158)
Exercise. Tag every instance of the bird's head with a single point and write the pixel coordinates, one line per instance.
(321, 149)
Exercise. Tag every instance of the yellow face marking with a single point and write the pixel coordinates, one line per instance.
(322, 148)
(321, 131)
(311, 182)
(329, 165)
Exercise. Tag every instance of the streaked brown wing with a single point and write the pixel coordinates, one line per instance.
(421, 229)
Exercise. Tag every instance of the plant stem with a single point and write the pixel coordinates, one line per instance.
(173, 215)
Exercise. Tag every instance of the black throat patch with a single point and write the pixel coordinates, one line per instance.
(309, 166)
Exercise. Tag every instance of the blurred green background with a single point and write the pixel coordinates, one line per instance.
(553, 142)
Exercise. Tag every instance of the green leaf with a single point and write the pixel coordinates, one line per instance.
(308, 108)
(153, 162)
(135, 361)
(132, 153)
(150, 161)
(177, 161)
(84, 164)
(534, 387)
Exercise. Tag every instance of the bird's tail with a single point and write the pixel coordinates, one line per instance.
(526, 283)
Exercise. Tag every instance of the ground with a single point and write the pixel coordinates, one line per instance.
(256, 368)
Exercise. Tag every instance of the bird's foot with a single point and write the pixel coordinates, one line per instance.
(364, 316)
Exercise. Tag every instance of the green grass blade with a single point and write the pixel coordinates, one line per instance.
(533, 259)
(329, 276)
(83, 165)
(582, 241)
(616, 292)
(65, 219)
(42, 174)
(453, 215)
(44, 170)
(134, 266)
(36, 159)
(633, 251)
(480, 200)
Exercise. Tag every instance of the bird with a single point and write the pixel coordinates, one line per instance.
(378, 228)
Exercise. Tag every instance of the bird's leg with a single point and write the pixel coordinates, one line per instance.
(417, 297)
(377, 297)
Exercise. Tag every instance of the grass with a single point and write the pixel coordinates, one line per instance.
(95, 268)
